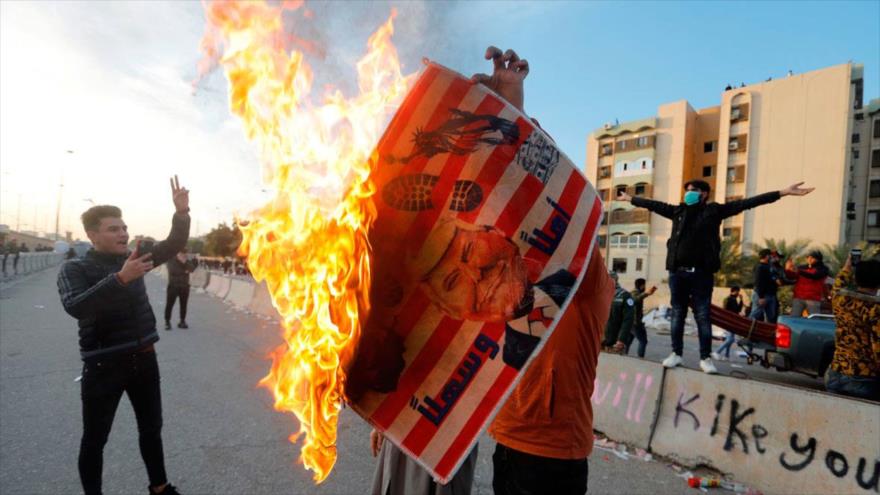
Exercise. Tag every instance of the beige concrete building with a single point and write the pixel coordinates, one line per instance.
(863, 204)
(761, 137)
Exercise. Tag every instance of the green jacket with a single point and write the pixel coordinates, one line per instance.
(639, 297)
(621, 317)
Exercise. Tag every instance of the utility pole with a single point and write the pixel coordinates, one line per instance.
(18, 215)
(58, 206)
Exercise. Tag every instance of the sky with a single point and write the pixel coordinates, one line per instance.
(97, 95)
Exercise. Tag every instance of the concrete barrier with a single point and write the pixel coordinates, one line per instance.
(776, 438)
(261, 303)
(625, 398)
(30, 263)
(199, 278)
(218, 285)
(240, 293)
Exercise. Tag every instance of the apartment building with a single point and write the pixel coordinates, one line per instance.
(761, 137)
(863, 203)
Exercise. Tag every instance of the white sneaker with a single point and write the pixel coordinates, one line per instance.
(708, 367)
(716, 356)
(672, 361)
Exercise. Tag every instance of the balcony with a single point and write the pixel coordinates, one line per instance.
(638, 215)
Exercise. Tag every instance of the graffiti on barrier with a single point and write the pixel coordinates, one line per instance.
(744, 433)
(630, 392)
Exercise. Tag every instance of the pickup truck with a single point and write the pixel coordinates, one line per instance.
(804, 345)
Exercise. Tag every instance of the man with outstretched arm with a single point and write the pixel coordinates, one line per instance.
(693, 255)
(105, 292)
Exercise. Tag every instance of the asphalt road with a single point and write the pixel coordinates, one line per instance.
(221, 434)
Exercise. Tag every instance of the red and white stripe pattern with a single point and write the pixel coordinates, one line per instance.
(513, 201)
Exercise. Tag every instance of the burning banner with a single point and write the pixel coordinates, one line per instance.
(483, 232)
(415, 278)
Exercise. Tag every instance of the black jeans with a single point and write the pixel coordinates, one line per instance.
(518, 473)
(171, 296)
(691, 288)
(640, 333)
(103, 383)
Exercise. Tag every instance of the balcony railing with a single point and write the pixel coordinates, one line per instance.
(638, 215)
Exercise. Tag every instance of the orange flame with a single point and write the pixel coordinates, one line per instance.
(310, 242)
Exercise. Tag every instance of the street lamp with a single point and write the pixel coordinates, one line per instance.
(58, 207)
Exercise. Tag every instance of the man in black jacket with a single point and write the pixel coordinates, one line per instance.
(693, 256)
(105, 292)
(767, 282)
(179, 269)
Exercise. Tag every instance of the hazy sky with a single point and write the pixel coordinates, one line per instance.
(110, 81)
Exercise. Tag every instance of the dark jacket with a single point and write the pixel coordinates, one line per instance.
(765, 280)
(114, 318)
(621, 317)
(695, 241)
(178, 273)
(733, 303)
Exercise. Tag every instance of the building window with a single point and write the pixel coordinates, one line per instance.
(643, 241)
(731, 174)
(604, 172)
(709, 147)
(856, 154)
(875, 158)
(733, 145)
(857, 104)
(603, 193)
(643, 141)
(601, 240)
(618, 265)
(860, 116)
(625, 166)
(644, 164)
(606, 150)
(619, 190)
(876, 128)
(633, 242)
(874, 218)
(621, 145)
(875, 189)
(856, 138)
(640, 189)
(707, 171)
(638, 264)
(618, 240)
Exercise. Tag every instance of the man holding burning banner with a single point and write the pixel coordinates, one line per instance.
(477, 273)
(105, 292)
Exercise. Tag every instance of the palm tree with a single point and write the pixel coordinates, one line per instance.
(736, 267)
(795, 249)
(835, 255)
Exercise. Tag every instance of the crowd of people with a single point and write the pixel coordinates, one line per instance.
(535, 452)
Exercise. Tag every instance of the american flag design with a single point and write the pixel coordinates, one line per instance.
(483, 233)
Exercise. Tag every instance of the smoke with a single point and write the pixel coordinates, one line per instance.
(337, 33)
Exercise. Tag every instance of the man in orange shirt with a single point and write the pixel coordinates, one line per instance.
(545, 429)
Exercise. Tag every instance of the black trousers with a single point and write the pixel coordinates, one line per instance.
(103, 382)
(640, 333)
(171, 296)
(519, 473)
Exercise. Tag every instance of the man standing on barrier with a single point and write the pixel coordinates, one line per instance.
(105, 292)
(693, 256)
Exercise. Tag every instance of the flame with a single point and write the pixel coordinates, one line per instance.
(310, 242)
